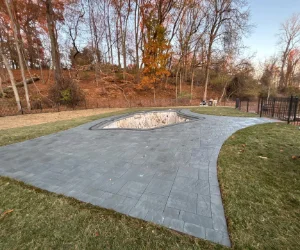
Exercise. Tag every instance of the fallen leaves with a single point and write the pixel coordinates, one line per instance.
(5, 213)
(243, 148)
(263, 157)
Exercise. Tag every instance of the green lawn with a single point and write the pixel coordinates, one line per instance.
(42, 220)
(222, 111)
(260, 187)
(9, 136)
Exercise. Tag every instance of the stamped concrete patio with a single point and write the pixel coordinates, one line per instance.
(167, 176)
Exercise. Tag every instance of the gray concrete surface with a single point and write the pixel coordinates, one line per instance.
(167, 176)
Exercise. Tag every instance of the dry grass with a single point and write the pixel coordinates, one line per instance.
(35, 119)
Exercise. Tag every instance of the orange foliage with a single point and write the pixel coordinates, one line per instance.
(156, 50)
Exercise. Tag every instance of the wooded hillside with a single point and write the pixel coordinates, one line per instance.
(133, 49)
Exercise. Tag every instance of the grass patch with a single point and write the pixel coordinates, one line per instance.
(13, 135)
(260, 186)
(43, 220)
(222, 111)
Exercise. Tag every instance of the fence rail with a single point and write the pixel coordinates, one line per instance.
(10, 109)
(285, 109)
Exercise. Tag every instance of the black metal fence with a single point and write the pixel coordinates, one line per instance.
(9, 108)
(282, 108)
(246, 105)
(285, 109)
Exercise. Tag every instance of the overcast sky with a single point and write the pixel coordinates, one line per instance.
(267, 15)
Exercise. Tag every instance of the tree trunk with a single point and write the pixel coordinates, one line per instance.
(207, 72)
(118, 43)
(1, 89)
(223, 92)
(12, 80)
(282, 80)
(136, 33)
(30, 48)
(110, 40)
(123, 41)
(18, 41)
(192, 83)
(180, 81)
(176, 82)
(53, 38)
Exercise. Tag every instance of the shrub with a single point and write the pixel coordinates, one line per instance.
(66, 92)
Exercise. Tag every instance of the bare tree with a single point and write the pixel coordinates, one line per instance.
(1, 88)
(96, 24)
(137, 38)
(73, 18)
(289, 39)
(12, 79)
(270, 74)
(192, 29)
(227, 20)
(52, 32)
(19, 46)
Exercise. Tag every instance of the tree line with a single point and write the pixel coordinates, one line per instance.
(159, 42)
(281, 72)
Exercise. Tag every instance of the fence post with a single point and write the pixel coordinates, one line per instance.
(296, 107)
(261, 106)
(290, 110)
(273, 107)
